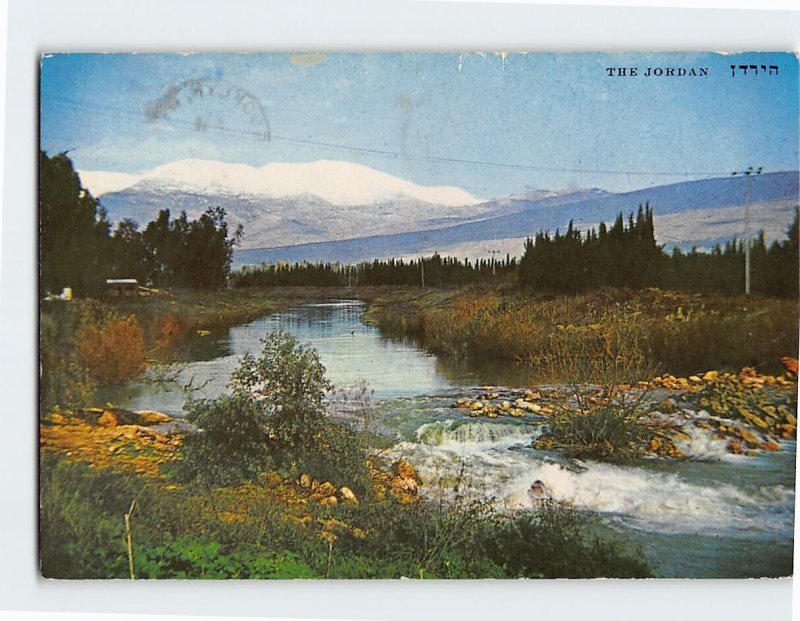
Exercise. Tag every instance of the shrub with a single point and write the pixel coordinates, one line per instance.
(114, 351)
(189, 557)
(64, 381)
(609, 432)
(558, 542)
(273, 418)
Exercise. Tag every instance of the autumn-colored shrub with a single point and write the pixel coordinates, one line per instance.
(113, 352)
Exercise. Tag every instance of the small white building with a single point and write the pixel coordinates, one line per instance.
(122, 287)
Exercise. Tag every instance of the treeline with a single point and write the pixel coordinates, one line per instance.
(773, 269)
(627, 255)
(78, 249)
(434, 271)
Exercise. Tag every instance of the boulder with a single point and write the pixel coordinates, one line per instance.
(326, 489)
(329, 501)
(748, 436)
(305, 481)
(108, 419)
(347, 495)
(771, 446)
(406, 482)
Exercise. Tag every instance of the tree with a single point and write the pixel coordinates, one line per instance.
(74, 240)
(273, 418)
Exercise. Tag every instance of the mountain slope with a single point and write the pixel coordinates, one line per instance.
(690, 213)
(280, 204)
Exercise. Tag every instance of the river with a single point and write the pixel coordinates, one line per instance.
(717, 516)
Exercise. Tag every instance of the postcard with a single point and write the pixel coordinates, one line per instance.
(418, 315)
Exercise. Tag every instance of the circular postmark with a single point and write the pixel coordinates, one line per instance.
(204, 104)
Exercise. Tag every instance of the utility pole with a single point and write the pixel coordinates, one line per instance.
(492, 252)
(750, 172)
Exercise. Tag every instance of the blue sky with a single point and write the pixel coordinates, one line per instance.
(489, 124)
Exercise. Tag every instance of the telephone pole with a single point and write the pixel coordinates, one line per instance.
(492, 252)
(749, 173)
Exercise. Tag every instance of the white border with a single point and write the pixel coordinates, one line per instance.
(37, 26)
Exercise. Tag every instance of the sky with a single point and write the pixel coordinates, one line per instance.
(491, 124)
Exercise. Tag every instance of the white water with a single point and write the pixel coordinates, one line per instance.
(493, 461)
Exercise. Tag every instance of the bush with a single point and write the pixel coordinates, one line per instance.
(189, 557)
(274, 418)
(558, 542)
(113, 352)
(64, 381)
(609, 432)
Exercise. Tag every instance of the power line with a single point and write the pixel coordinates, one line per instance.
(131, 114)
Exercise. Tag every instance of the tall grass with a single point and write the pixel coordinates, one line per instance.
(606, 336)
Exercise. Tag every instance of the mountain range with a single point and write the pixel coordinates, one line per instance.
(339, 211)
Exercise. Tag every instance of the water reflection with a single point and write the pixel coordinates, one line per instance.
(350, 351)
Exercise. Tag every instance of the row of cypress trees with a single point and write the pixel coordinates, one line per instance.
(627, 255)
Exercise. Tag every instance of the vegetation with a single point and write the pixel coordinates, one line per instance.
(79, 251)
(273, 418)
(626, 255)
(610, 433)
(433, 271)
(251, 522)
(607, 336)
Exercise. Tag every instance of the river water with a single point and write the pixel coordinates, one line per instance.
(717, 516)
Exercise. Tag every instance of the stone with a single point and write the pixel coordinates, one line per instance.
(347, 495)
(404, 470)
(771, 446)
(710, 376)
(107, 419)
(305, 481)
(326, 489)
(748, 436)
(329, 501)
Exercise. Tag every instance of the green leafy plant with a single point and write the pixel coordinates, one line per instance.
(273, 418)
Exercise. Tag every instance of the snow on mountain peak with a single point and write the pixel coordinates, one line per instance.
(337, 182)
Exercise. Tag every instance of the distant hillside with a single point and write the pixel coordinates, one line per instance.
(692, 213)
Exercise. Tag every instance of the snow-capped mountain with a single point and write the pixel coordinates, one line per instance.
(335, 182)
(284, 204)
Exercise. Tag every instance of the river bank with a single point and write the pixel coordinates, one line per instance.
(606, 336)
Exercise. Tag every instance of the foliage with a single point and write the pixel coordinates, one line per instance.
(273, 418)
(74, 240)
(190, 557)
(558, 542)
(63, 382)
(183, 253)
(774, 270)
(78, 250)
(435, 271)
(609, 432)
(81, 531)
(113, 352)
(606, 336)
(626, 255)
